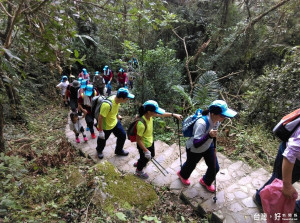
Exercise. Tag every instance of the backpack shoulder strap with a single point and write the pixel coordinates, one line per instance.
(204, 117)
(144, 122)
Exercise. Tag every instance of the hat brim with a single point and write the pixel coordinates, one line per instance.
(160, 111)
(75, 85)
(131, 96)
(88, 93)
(83, 86)
(229, 113)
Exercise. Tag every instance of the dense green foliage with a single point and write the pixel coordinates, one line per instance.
(251, 60)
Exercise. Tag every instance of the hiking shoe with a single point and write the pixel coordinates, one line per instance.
(141, 174)
(210, 188)
(259, 206)
(135, 164)
(184, 181)
(93, 135)
(100, 155)
(122, 153)
(77, 140)
(85, 139)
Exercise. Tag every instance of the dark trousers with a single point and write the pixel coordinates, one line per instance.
(90, 122)
(73, 104)
(142, 161)
(194, 158)
(119, 132)
(277, 173)
(82, 132)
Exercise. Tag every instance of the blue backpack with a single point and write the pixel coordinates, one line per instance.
(188, 123)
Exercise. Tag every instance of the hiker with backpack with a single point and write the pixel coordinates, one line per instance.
(287, 162)
(200, 144)
(122, 78)
(99, 82)
(72, 94)
(84, 105)
(144, 134)
(108, 122)
(107, 75)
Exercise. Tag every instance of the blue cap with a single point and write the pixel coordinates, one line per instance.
(84, 71)
(89, 90)
(154, 104)
(80, 80)
(227, 112)
(124, 93)
(97, 73)
(83, 83)
(121, 70)
(105, 67)
(64, 78)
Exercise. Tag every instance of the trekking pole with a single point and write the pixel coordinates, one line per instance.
(179, 141)
(215, 164)
(159, 167)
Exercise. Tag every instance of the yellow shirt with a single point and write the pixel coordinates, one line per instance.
(109, 117)
(147, 137)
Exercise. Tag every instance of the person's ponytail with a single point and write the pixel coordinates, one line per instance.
(141, 111)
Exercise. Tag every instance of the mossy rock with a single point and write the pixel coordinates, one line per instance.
(124, 191)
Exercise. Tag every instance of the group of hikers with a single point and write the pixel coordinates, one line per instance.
(200, 145)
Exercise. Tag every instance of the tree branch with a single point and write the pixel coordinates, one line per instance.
(6, 12)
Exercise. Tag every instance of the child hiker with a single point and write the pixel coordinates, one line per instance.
(201, 144)
(144, 138)
(77, 127)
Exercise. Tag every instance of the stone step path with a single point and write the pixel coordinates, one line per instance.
(236, 181)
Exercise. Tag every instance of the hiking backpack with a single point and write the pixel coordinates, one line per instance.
(132, 131)
(287, 125)
(188, 123)
(96, 105)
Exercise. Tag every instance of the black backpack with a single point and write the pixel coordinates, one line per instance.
(96, 105)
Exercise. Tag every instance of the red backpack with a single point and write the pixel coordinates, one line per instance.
(287, 125)
(132, 131)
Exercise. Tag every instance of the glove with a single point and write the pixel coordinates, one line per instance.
(148, 155)
(101, 135)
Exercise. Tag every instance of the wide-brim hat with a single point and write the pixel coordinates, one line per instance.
(154, 104)
(75, 84)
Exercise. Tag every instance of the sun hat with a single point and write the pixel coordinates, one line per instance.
(89, 90)
(105, 67)
(83, 83)
(227, 112)
(154, 104)
(75, 84)
(124, 93)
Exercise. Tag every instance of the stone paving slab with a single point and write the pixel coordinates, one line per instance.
(236, 181)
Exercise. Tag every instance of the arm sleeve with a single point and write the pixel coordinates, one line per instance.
(292, 151)
(140, 128)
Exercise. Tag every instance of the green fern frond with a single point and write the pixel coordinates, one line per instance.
(179, 89)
